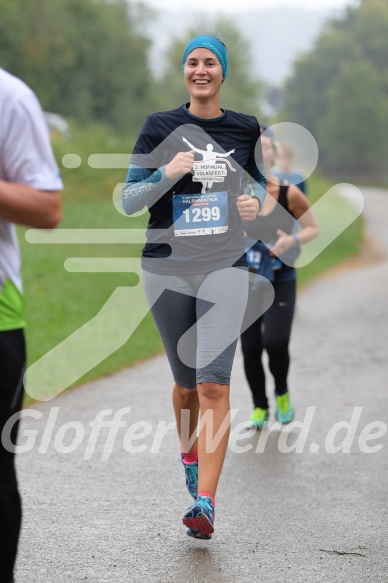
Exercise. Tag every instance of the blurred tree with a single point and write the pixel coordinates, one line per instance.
(354, 122)
(339, 91)
(240, 91)
(306, 92)
(86, 60)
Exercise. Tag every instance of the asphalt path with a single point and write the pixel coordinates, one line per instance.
(308, 505)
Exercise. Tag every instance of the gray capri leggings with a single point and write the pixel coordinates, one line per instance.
(199, 320)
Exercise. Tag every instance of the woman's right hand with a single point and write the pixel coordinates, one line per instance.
(180, 165)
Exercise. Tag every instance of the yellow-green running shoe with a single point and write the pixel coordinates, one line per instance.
(284, 410)
(259, 417)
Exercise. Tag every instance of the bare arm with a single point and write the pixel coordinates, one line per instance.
(28, 206)
(300, 208)
(29, 193)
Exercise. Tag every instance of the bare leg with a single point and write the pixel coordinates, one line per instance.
(215, 416)
(186, 399)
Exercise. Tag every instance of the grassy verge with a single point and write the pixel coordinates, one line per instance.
(346, 245)
(59, 302)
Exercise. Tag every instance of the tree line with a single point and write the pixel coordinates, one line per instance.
(85, 60)
(89, 61)
(339, 92)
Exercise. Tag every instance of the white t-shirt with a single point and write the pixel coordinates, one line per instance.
(26, 157)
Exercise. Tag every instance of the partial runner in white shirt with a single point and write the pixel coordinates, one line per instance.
(29, 195)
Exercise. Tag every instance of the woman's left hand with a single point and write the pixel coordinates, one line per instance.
(284, 243)
(247, 207)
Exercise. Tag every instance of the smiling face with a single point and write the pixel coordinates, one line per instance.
(203, 74)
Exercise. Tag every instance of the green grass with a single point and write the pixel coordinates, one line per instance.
(58, 302)
(347, 245)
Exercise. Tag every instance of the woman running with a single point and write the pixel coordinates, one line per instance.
(194, 168)
(273, 243)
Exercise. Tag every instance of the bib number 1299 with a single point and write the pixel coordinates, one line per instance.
(200, 214)
(197, 215)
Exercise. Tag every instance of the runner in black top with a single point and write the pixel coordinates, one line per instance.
(271, 331)
(194, 167)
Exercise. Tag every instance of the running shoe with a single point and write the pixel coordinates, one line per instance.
(199, 518)
(191, 473)
(259, 417)
(284, 410)
(198, 535)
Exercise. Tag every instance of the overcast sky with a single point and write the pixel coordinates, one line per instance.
(229, 6)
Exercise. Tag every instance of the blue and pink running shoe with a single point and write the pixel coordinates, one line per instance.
(199, 518)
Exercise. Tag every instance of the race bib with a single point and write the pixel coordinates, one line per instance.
(200, 214)
(253, 258)
(259, 260)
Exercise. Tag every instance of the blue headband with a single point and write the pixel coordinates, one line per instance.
(206, 41)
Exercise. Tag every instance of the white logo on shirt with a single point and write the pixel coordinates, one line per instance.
(208, 170)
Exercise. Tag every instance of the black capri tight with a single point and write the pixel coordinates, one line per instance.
(270, 332)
